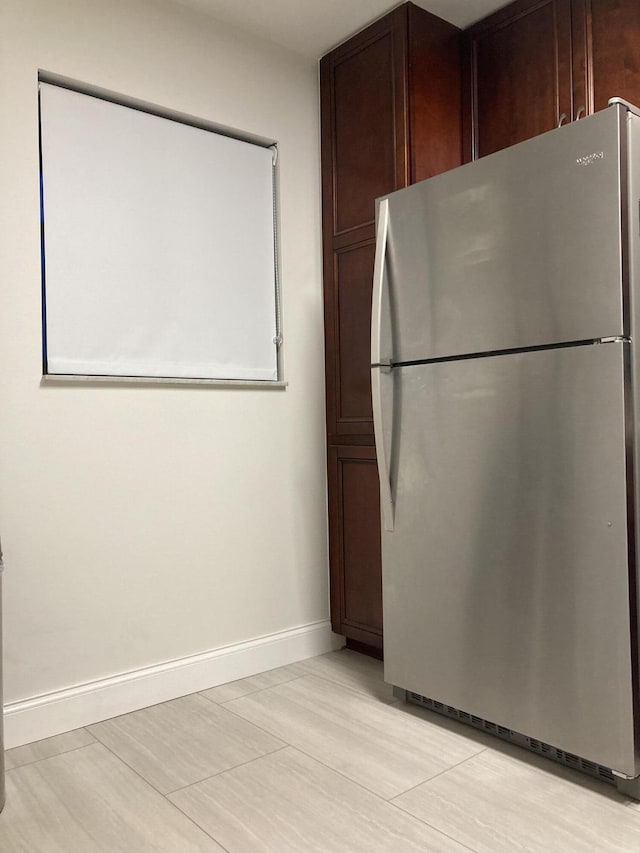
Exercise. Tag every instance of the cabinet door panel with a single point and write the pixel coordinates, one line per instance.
(364, 132)
(348, 337)
(435, 91)
(354, 524)
(354, 275)
(615, 48)
(520, 66)
(363, 123)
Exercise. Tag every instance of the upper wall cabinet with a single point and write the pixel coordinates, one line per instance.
(390, 104)
(612, 50)
(366, 98)
(390, 116)
(537, 63)
(519, 74)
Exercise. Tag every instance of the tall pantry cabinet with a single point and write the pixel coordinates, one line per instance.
(391, 116)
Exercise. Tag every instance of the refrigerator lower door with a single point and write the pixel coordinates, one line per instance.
(506, 577)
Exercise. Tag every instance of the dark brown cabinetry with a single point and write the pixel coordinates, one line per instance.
(612, 53)
(519, 75)
(356, 588)
(391, 109)
(536, 63)
(391, 115)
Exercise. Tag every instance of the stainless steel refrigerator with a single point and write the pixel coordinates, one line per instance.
(505, 375)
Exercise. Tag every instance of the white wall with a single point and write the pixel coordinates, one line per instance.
(144, 524)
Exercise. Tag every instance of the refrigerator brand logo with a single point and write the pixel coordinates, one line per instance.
(588, 159)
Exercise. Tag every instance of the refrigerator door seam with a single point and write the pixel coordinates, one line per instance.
(622, 339)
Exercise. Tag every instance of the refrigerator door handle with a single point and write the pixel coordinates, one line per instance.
(386, 499)
(378, 279)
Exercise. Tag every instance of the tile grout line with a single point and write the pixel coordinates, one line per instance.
(400, 808)
(355, 781)
(208, 834)
(343, 685)
(324, 676)
(228, 770)
(358, 785)
(430, 825)
(160, 794)
(313, 757)
(196, 781)
(144, 781)
(348, 779)
(437, 775)
(244, 695)
(327, 766)
(240, 717)
(47, 757)
(126, 764)
(340, 773)
(349, 685)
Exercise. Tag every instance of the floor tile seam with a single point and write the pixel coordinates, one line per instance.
(218, 705)
(133, 769)
(52, 757)
(400, 808)
(47, 757)
(250, 693)
(165, 794)
(201, 828)
(364, 787)
(322, 677)
(227, 770)
(261, 728)
(155, 790)
(375, 794)
(324, 718)
(351, 687)
(152, 788)
(434, 828)
(437, 776)
(350, 779)
(348, 722)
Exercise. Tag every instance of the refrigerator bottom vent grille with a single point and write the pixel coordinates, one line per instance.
(559, 755)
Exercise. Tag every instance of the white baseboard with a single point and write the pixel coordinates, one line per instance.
(83, 704)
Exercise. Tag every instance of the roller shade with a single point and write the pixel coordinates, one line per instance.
(158, 245)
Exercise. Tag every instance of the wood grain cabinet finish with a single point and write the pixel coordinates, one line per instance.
(390, 115)
(390, 106)
(537, 62)
(356, 570)
(612, 58)
(353, 270)
(519, 74)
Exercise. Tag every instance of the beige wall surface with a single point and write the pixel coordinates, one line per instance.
(144, 524)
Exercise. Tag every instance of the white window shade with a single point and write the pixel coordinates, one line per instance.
(158, 250)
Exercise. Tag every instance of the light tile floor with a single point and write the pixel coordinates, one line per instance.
(317, 757)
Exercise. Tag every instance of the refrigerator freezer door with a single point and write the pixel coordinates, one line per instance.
(521, 248)
(505, 581)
